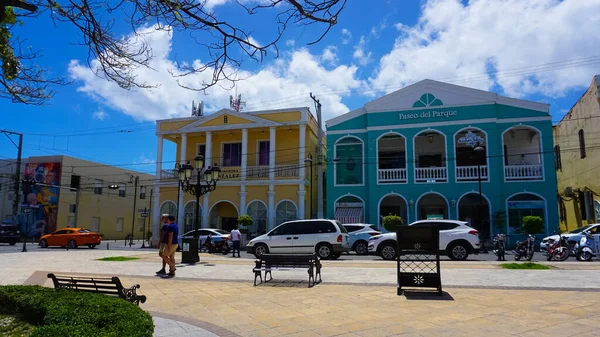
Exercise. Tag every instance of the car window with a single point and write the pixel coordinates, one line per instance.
(374, 227)
(595, 230)
(202, 232)
(445, 226)
(70, 232)
(283, 229)
(342, 228)
(580, 229)
(222, 231)
(61, 232)
(299, 227)
(351, 228)
(83, 231)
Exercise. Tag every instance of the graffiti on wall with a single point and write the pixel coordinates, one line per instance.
(40, 196)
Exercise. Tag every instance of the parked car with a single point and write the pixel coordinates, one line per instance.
(457, 240)
(217, 235)
(573, 237)
(9, 233)
(328, 238)
(71, 238)
(359, 235)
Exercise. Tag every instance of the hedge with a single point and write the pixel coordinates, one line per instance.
(71, 313)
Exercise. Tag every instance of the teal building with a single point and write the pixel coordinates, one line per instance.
(427, 150)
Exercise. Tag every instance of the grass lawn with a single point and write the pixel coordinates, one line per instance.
(524, 265)
(12, 327)
(118, 258)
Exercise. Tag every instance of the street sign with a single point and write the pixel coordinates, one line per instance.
(144, 215)
(142, 210)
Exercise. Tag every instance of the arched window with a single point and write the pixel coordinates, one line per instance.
(168, 207)
(285, 211)
(188, 219)
(349, 161)
(258, 212)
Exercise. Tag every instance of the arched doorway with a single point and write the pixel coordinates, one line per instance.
(522, 154)
(432, 206)
(392, 204)
(223, 214)
(391, 158)
(257, 210)
(168, 207)
(285, 211)
(188, 216)
(349, 209)
(430, 157)
(521, 205)
(475, 211)
(468, 160)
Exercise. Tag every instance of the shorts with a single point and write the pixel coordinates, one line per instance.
(170, 252)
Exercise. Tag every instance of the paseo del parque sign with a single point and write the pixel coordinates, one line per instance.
(429, 114)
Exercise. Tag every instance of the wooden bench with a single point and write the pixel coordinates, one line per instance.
(110, 286)
(268, 262)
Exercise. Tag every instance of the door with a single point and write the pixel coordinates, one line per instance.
(228, 224)
(304, 236)
(59, 238)
(280, 239)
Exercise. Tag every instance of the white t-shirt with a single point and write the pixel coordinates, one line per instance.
(236, 235)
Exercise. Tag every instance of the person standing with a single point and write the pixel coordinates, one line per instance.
(172, 244)
(236, 238)
(163, 242)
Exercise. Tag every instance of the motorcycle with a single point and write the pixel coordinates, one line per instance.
(588, 247)
(213, 247)
(524, 249)
(500, 246)
(558, 250)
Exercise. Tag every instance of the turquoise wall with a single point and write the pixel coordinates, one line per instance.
(496, 189)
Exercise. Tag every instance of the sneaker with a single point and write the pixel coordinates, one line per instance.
(171, 274)
(162, 271)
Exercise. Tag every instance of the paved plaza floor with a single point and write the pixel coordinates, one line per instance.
(217, 297)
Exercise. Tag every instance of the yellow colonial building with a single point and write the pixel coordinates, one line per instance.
(265, 161)
(578, 160)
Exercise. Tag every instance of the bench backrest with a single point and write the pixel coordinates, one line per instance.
(105, 285)
(288, 259)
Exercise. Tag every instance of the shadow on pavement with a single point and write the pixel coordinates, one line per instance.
(427, 295)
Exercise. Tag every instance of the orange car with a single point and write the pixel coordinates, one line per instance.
(71, 238)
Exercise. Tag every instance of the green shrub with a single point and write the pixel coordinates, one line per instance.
(245, 220)
(72, 313)
(391, 221)
(533, 224)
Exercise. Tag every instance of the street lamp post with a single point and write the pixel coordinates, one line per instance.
(310, 161)
(478, 150)
(198, 189)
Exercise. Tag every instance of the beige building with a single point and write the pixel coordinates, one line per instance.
(100, 208)
(578, 160)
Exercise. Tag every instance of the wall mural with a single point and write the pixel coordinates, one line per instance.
(40, 201)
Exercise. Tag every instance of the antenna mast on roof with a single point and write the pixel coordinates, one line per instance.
(236, 103)
(197, 111)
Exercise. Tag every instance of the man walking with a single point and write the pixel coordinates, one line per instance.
(171, 244)
(236, 237)
(162, 242)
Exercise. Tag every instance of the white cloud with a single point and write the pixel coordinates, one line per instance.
(460, 43)
(330, 55)
(286, 82)
(290, 43)
(346, 36)
(99, 115)
(363, 57)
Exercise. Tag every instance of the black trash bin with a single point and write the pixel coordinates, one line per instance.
(189, 250)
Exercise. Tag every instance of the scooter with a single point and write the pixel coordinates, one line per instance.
(558, 250)
(588, 247)
(524, 249)
(213, 247)
(500, 246)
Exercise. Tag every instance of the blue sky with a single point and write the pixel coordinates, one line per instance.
(537, 49)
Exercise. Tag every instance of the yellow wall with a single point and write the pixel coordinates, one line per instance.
(231, 119)
(281, 117)
(576, 172)
(171, 126)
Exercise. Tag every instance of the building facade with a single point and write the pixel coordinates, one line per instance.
(576, 146)
(421, 153)
(265, 167)
(54, 202)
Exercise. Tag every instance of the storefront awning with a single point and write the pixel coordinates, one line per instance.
(347, 215)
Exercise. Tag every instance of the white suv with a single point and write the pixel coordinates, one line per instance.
(328, 238)
(457, 240)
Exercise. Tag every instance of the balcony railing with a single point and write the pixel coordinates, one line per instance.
(469, 173)
(389, 176)
(523, 172)
(169, 174)
(281, 171)
(431, 174)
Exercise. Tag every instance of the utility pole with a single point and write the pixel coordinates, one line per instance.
(150, 218)
(18, 170)
(137, 179)
(319, 158)
(76, 207)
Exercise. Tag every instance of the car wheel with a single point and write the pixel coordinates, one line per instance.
(92, 246)
(260, 249)
(44, 243)
(361, 248)
(324, 251)
(72, 244)
(458, 252)
(388, 251)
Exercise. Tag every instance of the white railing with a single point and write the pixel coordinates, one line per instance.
(469, 173)
(391, 175)
(431, 174)
(523, 172)
(262, 172)
(169, 174)
(257, 172)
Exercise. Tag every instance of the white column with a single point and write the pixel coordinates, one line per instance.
(208, 151)
(155, 216)
(182, 160)
(302, 154)
(205, 210)
(159, 151)
(271, 207)
(271, 154)
(301, 203)
(243, 195)
(244, 153)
